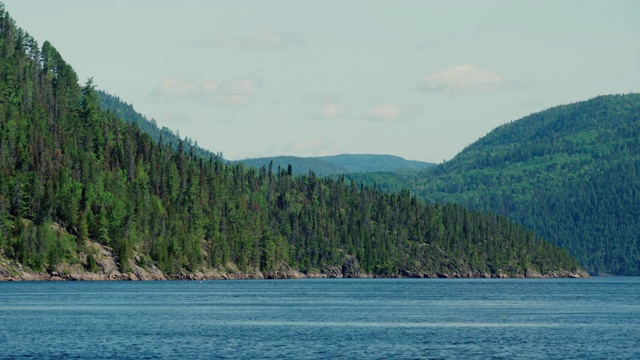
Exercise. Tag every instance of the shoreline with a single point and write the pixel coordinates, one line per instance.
(281, 275)
(107, 269)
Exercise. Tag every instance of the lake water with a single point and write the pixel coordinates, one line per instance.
(323, 319)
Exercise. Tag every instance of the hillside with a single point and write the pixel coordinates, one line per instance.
(570, 173)
(322, 165)
(126, 112)
(83, 191)
(339, 164)
(299, 165)
(370, 163)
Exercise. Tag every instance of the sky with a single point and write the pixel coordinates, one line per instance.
(417, 79)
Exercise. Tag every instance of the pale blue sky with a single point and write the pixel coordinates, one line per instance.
(418, 79)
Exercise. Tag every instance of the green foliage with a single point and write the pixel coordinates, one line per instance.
(570, 173)
(299, 165)
(164, 135)
(65, 161)
(372, 163)
(337, 164)
(91, 265)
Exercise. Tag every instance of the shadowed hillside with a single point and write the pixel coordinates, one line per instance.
(570, 173)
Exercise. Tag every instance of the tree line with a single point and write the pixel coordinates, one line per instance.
(70, 171)
(570, 173)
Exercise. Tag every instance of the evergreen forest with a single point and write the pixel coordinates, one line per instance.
(127, 113)
(73, 173)
(570, 173)
(340, 164)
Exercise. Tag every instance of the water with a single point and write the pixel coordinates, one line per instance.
(323, 319)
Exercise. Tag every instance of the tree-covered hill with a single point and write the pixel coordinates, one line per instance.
(339, 164)
(570, 173)
(126, 112)
(321, 166)
(370, 163)
(72, 175)
(299, 165)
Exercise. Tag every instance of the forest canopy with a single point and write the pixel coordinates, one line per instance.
(570, 173)
(71, 172)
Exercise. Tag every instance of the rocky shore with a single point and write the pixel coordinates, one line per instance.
(152, 273)
(106, 269)
(217, 275)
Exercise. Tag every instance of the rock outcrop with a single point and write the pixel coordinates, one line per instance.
(107, 268)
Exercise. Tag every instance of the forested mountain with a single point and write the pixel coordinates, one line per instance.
(321, 166)
(73, 175)
(339, 164)
(570, 173)
(369, 163)
(299, 165)
(126, 112)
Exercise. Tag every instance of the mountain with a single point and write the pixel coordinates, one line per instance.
(126, 112)
(339, 164)
(371, 163)
(322, 166)
(299, 165)
(570, 173)
(85, 195)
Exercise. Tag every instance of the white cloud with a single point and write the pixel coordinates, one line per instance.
(381, 111)
(261, 38)
(326, 106)
(329, 111)
(232, 93)
(385, 112)
(462, 78)
(239, 92)
(209, 87)
(175, 87)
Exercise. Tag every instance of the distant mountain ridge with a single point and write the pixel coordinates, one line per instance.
(571, 173)
(547, 171)
(339, 164)
(321, 166)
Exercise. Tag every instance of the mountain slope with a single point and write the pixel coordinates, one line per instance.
(127, 113)
(77, 182)
(322, 166)
(370, 163)
(299, 165)
(571, 173)
(339, 164)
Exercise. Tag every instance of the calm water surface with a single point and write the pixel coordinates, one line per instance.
(595, 318)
